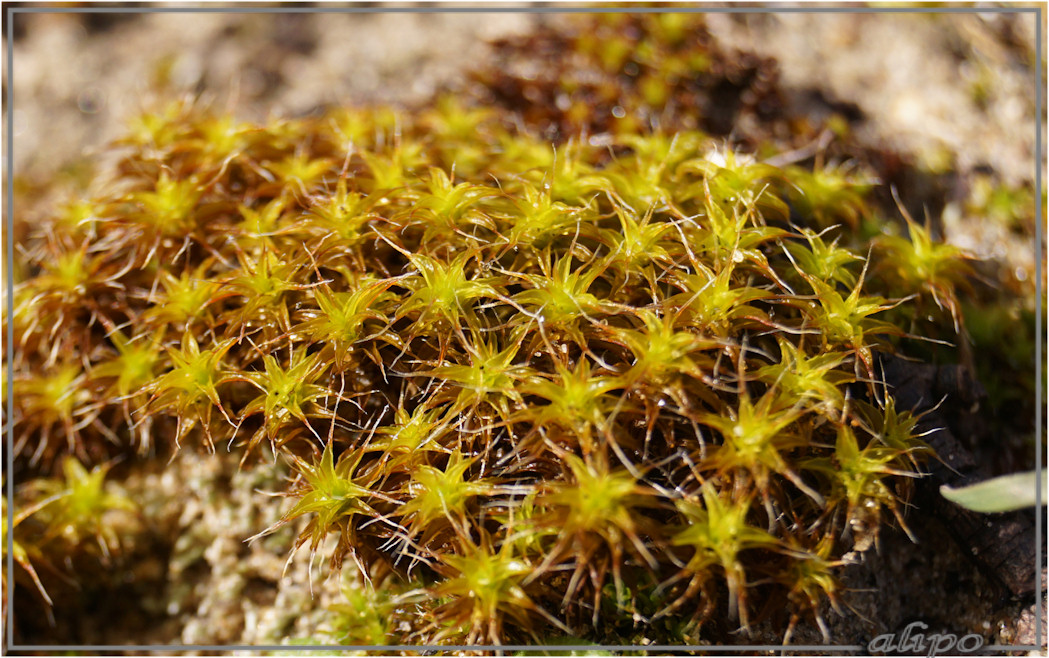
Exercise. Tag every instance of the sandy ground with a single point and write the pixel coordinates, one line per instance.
(954, 90)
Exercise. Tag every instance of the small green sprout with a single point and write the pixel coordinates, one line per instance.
(819, 260)
(222, 137)
(59, 399)
(81, 505)
(393, 171)
(485, 588)
(300, 172)
(365, 617)
(577, 400)
(286, 395)
(491, 377)
(179, 300)
(131, 372)
(661, 350)
(79, 218)
(68, 286)
(818, 379)
(190, 388)
(811, 579)
(447, 209)
(596, 521)
(412, 436)
(343, 319)
(897, 430)
(935, 268)
(730, 179)
(170, 207)
(862, 473)
(718, 533)
(159, 129)
(733, 236)
(259, 224)
(343, 215)
(847, 320)
(539, 219)
(560, 296)
(636, 244)
(334, 494)
(756, 437)
(717, 304)
(133, 366)
(437, 499)
(262, 281)
(442, 291)
(830, 195)
(362, 127)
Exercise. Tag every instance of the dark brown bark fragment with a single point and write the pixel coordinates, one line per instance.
(1002, 545)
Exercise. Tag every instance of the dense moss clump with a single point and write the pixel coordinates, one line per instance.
(534, 387)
